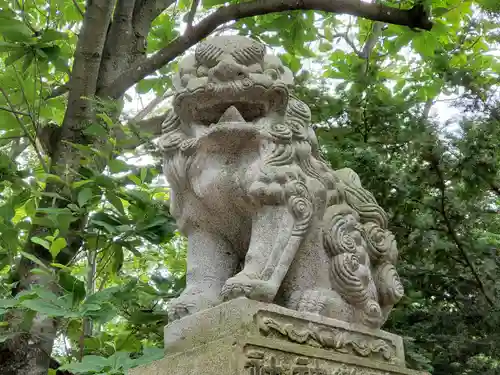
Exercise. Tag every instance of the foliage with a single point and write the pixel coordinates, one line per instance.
(91, 242)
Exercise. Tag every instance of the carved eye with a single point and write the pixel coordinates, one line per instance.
(250, 54)
(202, 71)
(272, 73)
(208, 54)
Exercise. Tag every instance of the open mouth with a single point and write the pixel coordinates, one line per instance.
(209, 106)
(241, 112)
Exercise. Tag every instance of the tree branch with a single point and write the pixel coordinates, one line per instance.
(348, 41)
(144, 131)
(118, 49)
(150, 107)
(84, 76)
(151, 125)
(453, 235)
(414, 18)
(192, 12)
(372, 40)
(58, 91)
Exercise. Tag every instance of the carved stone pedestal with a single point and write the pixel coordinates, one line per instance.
(252, 338)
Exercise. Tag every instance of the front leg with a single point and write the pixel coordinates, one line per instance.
(277, 233)
(211, 260)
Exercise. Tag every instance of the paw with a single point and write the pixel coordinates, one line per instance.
(178, 309)
(191, 301)
(243, 285)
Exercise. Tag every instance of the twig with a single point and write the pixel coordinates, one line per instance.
(15, 112)
(80, 10)
(26, 131)
(190, 18)
(150, 107)
(347, 39)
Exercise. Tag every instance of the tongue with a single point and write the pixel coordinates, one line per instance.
(231, 115)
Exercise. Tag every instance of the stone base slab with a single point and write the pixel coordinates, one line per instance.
(245, 337)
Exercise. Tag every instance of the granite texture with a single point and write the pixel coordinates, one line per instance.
(253, 338)
(265, 216)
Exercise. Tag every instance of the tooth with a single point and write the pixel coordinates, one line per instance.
(232, 115)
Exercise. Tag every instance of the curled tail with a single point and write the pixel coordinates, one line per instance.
(363, 252)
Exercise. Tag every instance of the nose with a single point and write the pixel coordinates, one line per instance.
(228, 70)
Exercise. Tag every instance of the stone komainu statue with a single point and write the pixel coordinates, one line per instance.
(264, 215)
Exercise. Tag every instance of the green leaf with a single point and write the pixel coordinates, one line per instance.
(426, 44)
(117, 166)
(144, 173)
(61, 266)
(7, 47)
(117, 258)
(28, 59)
(41, 242)
(127, 342)
(438, 12)
(72, 285)
(56, 246)
(8, 303)
(108, 227)
(15, 30)
(105, 181)
(50, 35)
(106, 119)
(116, 202)
(292, 61)
(14, 56)
(80, 183)
(89, 363)
(146, 85)
(45, 294)
(33, 258)
(84, 196)
(325, 47)
(121, 360)
(150, 355)
(47, 308)
(96, 130)
(328, 34)
(135, 179)
(105, 313)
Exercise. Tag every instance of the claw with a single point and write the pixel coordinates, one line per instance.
(243, 285)
(177, 310)
(232, 291)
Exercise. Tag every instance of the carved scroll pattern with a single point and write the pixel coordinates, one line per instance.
(330, 338)
(261, 361)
